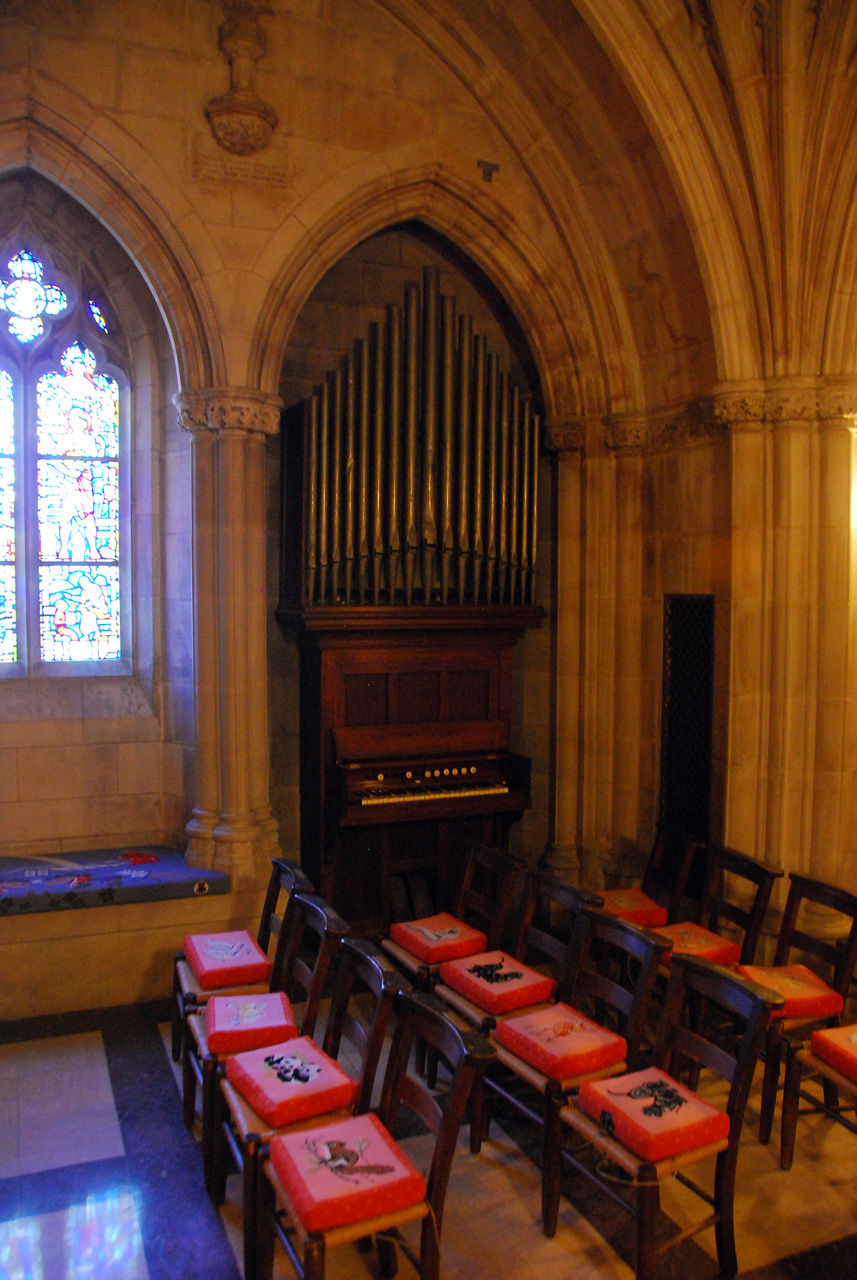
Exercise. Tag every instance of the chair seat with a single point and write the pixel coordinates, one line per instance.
(652, 1114)
(838, 1047)
(226, 959)
(237, 1023)
(290, 1081)
(560, 1042)
(634, 906)
(692, 939)
(434, 939)
(345, 1172)
(496, 982)
(806, 995)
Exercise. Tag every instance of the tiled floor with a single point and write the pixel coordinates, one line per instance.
(100, 1181)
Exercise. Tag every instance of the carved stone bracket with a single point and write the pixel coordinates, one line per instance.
(566, 437)
(228, 409)
(240, 121)
(626, 432)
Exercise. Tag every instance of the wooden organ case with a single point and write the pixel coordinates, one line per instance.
(408, 560)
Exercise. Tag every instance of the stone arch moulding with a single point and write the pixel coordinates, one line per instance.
(558, 323)
(164, 263)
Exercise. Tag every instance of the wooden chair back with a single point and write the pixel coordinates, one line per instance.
(611, 975)
(419, 1015)
(286, 878)
(665, 878)
(716, 907)
(362, 965)
(539, 940)
(486, 891)
(306, 949)
(840, 954)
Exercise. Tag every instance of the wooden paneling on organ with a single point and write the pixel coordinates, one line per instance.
(408, 560)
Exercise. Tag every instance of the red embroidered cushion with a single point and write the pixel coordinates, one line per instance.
(806, 994)
(635, 906)
(560, 1042)
(345, 1172)
(838, 1046)
(496, 982)
(290, 1081)
(226, 959)
(692, 939)
(235, 1023)
(440, 937)
(663, 1119)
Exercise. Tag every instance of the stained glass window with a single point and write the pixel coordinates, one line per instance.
(67, 511)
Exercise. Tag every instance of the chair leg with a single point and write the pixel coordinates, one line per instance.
(314, 1258)
(648, 1203)
(250, 1194)
(770, 1082)
(724, 1201)
(263, 1235)
(177, 1020)
(188, 1085)
(478, 1116)
(831, 1094)
(429, 1249)
(208, 1104)
(388, 1255)
(219, 1149)
(552, 1140)
(791, 1105)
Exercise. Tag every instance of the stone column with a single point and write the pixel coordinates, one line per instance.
(561, 856)
(792, 688)
(232, 828)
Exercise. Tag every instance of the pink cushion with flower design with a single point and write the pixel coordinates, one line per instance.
(290, 1081)
(652, 1114)
(236, 1023)
(691, 939)
(345, 1172)
(560, 1042)
(838, 1046)
(634, 906)
(226, 959)
(437, 938)
(496, 982)
(806, 995)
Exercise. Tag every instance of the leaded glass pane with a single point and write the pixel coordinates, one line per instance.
(79, 612)
(28, 298)
(7, 414)
(78, 411)
(8, 631)
(7, 510)
(78, 510)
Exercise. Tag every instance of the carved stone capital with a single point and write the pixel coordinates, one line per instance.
(566, 437)
(695, 421)
(229, 409)
(626, 432)
(787, 400)
(740, 407)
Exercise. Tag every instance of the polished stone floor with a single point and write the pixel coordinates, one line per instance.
(100, 1181)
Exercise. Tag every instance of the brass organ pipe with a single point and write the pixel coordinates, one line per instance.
(465, 347)
(534, 506)
(480, 347)
(526, 465)
(491, 475)
(311, 452)
(503, 514)
(412, 298)
(394, 339)
(377, 346)
(431, 290)
(362, 362)
(514, 483)
(447, 427)
(336, 512)
(323, 480)
(350, 472)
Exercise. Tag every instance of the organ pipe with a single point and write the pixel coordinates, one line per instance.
(420, 467)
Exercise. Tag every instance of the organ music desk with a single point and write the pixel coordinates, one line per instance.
(405, 750)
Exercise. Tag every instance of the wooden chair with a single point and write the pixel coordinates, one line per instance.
(596, 1029)
(319, 1223)
(310, 923)
(618, 1118)
(702, 937)
(481, 988)
(807, 998)
(641, 906)
(189, 995)
(241, 1130)
(483, 904)
(828, 1055)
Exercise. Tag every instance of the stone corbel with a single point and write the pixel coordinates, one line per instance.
(229, 409)
(240, 121)
(626, 433)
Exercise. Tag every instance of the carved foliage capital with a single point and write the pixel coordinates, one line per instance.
(696, 421)
(566, 437)
(626, 432)
(229, 409)
(787, 401)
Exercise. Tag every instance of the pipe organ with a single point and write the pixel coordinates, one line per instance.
(408, 563)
